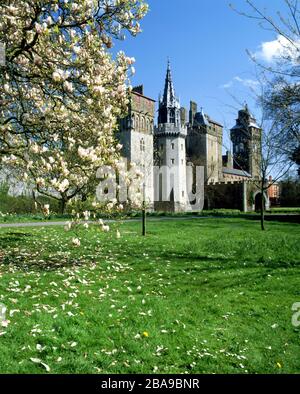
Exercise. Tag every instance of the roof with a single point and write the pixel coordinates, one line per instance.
(215, 122)
(234, 171)
(201, 118)
(254, 124)
(141, 95)
(241, 127)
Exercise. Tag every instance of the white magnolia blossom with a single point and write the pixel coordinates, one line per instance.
(105, 228)
(76, 242)
(61, 90)
(46, 209)
(68, 226)
(86, 215)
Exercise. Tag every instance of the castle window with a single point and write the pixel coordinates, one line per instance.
(137, 123)
(161, 147)
(182, 193)
(181, 146)
(143, 124)
(172, 116)
(142, 145)
(172, 161)
(173, 146)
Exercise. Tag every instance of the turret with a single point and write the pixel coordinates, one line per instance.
(246, 141)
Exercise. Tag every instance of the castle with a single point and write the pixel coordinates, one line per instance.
(176, 143)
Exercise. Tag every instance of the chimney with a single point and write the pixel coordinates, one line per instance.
(193, 111)
(228, 160)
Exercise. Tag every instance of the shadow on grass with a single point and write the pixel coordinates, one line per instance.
(13, 237)
(220, 279)
(49, 264)
(292, 218)
(229, 262)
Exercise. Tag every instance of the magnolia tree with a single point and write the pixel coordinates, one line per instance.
(61, 92)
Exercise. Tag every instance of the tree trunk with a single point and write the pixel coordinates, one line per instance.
(144, 221)
(262, 211)
(144, 211)
(62, 206)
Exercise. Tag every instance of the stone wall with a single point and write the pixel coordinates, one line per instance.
(233, 195)
(224, 195)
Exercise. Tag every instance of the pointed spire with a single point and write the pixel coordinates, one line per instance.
(246, 109)
(169, 106)
(169, 92)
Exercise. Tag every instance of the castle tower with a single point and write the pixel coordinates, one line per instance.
(246, 141)
(204, 144)
(136, 135)
(170, 151)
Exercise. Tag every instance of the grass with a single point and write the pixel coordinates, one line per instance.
(197, 296)
(285, 210)
(30, 217)
(39, 217)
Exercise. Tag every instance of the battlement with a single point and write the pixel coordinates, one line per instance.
(170, 129)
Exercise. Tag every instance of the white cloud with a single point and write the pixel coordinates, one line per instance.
(247, 82)
(280, 48)
(227, 85)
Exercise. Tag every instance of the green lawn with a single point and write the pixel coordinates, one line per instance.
(197, 296)
(39, 217)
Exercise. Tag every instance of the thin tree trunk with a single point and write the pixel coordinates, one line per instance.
(144, 212)
(144, 221)
(262, 211)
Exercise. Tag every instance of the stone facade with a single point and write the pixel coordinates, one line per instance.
(136, 136)
(246, 141)
(204, 144)
(175, 144)
(170, 151)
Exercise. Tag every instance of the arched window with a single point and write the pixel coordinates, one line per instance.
(137, 123)
(143, 124)
(133, 122)
(172, 116)
(142, 145)
(151, 126)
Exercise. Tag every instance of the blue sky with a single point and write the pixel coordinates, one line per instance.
(206, 42)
